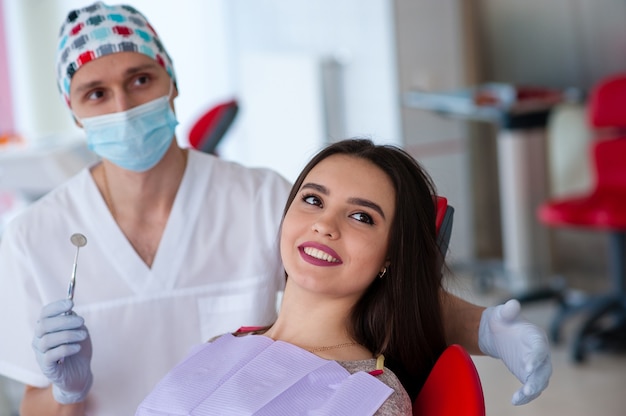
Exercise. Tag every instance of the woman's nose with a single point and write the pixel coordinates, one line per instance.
(327, 226)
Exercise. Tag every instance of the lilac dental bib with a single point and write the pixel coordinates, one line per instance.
(254, 375)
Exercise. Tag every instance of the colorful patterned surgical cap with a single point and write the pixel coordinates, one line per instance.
(97, 30)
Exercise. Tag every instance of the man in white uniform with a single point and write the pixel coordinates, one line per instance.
(181, 246)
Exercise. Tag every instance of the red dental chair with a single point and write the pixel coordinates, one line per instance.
(443, 225)
(602, 208)
(453, 386)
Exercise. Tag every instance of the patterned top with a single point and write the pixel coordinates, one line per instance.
(398, 403)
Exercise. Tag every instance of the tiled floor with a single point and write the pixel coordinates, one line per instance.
(596, 387)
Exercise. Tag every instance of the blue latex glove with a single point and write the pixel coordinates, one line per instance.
(63, 349)
(522, 346)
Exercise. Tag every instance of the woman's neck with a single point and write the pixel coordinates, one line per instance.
(315, 323)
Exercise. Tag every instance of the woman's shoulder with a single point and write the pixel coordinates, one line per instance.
(399, 402)
(373, 367)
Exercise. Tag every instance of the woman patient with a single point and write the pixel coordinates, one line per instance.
(362, 295)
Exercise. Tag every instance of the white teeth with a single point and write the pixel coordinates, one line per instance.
(319, 254)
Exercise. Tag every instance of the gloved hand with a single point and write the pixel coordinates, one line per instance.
(522, 346)
(63, 349)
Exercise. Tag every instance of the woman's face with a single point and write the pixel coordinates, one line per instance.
(335, 234)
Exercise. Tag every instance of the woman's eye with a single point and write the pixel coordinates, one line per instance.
(312, 200)
(363, 217)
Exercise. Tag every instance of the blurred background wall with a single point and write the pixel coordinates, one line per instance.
(308, 73)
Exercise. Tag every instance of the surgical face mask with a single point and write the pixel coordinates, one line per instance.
(136, 139)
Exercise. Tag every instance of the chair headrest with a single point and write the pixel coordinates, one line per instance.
(607, 102)
(209, 129)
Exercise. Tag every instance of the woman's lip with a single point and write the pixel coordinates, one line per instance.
(325, 249)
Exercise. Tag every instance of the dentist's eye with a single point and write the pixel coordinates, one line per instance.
(141, 80)
(363, 217)
(95, 95)
(312, 200)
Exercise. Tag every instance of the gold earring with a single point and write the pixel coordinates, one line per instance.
(382, 273)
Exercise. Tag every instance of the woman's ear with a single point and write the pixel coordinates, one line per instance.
(383, 270)
(385, 265)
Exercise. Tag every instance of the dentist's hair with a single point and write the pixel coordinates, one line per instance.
(399, 315)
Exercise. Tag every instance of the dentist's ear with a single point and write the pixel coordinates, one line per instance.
(173, 95)
(76, 120)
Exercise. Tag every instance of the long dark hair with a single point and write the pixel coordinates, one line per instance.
(399, 315)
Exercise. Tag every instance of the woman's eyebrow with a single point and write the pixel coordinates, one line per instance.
(319, 188)
(355, 201)
(367, 203)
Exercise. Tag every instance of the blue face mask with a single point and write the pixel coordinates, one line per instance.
(135, 139)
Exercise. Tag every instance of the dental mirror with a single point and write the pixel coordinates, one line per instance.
(79, 241)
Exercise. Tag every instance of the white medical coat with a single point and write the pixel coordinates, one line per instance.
(217, 267)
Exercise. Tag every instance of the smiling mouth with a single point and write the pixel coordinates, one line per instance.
(319, 254)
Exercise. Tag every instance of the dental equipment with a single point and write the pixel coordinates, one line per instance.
(79, 241)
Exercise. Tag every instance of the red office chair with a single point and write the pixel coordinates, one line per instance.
(603, 208)
(452, 388)
(211, 127)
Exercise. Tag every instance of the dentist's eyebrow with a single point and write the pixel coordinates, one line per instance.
(129, 72)
(87, 86)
